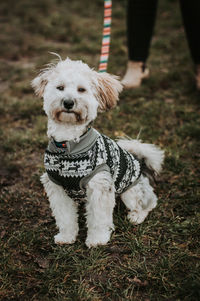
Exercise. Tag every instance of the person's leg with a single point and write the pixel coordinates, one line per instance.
(141, 16)
(191, 20)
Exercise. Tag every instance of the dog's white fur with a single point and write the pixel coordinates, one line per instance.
(91, 92)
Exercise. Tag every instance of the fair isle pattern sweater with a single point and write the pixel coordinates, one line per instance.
(75, 164)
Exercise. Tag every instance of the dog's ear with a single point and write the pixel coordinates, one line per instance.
(108, 88)
(39, 84)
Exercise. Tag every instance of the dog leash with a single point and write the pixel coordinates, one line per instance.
(105, 47)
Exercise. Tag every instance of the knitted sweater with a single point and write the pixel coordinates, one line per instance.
(75, 164)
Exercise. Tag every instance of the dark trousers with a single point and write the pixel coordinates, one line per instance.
(141, 15)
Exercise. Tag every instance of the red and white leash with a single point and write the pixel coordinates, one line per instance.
(105, 47)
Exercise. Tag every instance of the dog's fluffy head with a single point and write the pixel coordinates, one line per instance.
(73, 93)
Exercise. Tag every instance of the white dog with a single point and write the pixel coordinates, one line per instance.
(82, 163)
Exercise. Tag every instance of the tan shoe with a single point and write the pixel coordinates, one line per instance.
(134, 74)
(197, 77)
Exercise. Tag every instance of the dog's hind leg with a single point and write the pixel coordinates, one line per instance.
(140, 200)
(99, 209)
(64, 210)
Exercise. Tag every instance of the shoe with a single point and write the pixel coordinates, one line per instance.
(135, 73)
(197, 77)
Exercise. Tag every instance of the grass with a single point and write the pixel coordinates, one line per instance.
(158, 260)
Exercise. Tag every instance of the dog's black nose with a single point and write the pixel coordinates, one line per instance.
(68, 103)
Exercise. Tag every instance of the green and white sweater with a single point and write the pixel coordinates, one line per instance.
(72, 164)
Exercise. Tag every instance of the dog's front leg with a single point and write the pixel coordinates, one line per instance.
(64, 210)
(99, 209)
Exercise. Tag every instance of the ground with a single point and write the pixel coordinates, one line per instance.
(157, 260)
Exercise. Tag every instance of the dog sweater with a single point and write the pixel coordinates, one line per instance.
(73, 164)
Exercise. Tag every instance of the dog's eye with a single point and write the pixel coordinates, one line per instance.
(80, 89)
(60, 88)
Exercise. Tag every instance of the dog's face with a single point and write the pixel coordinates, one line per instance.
(73, 92)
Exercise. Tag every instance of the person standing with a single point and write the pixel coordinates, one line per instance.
(141, 16)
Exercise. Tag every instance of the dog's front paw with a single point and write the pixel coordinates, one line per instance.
(62, 238)
(100, 237)
(136, 217)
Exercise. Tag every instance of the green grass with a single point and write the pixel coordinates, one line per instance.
(157, 260)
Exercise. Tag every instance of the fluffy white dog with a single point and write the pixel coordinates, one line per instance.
(82, 163)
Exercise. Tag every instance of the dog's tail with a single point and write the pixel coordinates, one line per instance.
(151, 154)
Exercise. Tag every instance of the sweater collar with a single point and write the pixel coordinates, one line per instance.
(63, 144)
(72, 146)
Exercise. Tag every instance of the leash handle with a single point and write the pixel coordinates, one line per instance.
(105, 46)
